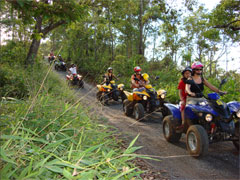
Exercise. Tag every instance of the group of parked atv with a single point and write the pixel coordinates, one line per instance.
(205, 123)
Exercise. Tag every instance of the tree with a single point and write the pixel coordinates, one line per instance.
(43, 16)
(226, 17)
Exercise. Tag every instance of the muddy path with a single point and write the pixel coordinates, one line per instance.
(221, 162)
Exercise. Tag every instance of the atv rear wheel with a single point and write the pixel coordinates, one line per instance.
(197, 140)
(236, 142)
(138, 111)
(127, 107)
(169, 125)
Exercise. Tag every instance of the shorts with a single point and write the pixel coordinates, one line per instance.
(182, 106)
(193, 100)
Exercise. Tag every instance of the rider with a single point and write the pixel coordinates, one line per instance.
(137, 79)
(72, 70)
(195, 85)
(109, 76)
(186, 73)
(60, 58)
(51, 56)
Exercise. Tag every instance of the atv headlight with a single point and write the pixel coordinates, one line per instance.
(208, 117)
(238, 114)
(163, 96)
(109, 90)
(144, 97)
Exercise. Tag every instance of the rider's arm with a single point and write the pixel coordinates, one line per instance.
(210, 86)
(188, 86)
(114, 76)
(134, 82)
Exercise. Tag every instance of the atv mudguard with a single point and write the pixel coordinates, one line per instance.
(234, 106)
(174, 110)
(129, 95)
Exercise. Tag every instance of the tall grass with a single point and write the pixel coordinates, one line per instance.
(53, 141)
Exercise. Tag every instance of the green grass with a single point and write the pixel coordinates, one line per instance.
(52, 137)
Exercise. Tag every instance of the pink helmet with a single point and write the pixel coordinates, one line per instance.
(137, 69)
(196, 65)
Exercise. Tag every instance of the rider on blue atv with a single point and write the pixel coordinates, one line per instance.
(207, 118)
(195, 85)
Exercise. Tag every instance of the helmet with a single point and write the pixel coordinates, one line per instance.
(59, 55)
(145, 76)
(186, 69)
(197, 65)
(110, 68)
(137, 69)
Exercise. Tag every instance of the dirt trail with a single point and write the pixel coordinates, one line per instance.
(221, 162)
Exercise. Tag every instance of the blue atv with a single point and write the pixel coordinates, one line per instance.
(206, 122)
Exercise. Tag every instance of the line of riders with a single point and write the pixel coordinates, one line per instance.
(204, 119)
(72, 77)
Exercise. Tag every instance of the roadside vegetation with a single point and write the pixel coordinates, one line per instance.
(51, 136)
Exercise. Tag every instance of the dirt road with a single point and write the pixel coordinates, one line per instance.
(221, 162)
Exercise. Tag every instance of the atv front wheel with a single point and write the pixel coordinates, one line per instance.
(138, 111)
(169, 125)
(197, 140)
(98, 95)
(127, 107)
(81, 84)
(104, 99)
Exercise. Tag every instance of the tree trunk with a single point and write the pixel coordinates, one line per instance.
(35, 43)
(32, 52)
(110, 30)
(140, 47)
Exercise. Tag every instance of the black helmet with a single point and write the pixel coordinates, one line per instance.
(110, 68)
(187, 69)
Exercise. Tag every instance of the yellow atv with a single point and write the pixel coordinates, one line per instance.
(144, 99)
(110, 91)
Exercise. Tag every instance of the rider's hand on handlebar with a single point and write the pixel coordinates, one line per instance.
(221, 93)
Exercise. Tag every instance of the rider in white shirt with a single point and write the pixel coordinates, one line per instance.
(73, 69)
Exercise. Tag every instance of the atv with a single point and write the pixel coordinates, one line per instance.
(144, 99)
(207, 122)
(60, 66)
(75, 79)
(110, 91)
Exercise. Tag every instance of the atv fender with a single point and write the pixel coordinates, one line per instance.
(174, 110)
(129, 95)
(99, 87)
(234, 106)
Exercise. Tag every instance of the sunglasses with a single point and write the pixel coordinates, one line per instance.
(198, 69)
